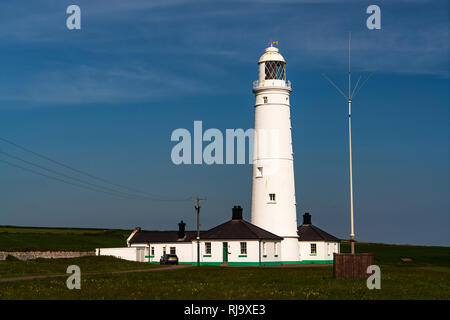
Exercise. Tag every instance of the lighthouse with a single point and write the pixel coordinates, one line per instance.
(273, 187)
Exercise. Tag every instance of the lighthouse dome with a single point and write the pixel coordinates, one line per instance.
(271, 54)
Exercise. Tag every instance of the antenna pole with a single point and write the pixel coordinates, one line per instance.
(352, 230)
(351, 95)
(197, 207)
(349, 70)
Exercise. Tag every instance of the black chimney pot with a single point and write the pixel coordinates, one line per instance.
(181, 232)
(306, 218)
(237, 213)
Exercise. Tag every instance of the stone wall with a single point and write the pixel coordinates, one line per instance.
(45, 254)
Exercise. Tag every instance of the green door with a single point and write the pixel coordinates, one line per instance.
(225, 252)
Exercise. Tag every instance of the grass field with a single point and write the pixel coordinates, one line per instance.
(240, 283)
(390, 254)
(89, 264)
(425, 274)
(59, 239)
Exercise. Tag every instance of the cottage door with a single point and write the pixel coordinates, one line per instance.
(225, 251)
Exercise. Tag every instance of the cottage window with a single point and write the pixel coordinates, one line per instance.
(243, 247)
(207, 247)
(173, 250)
(313, 248)
(153, 251)
(264, 249)
(164, 250)
(275, 249)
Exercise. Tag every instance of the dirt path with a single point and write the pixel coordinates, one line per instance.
(95, 273)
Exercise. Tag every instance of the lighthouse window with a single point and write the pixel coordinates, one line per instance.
(259, 172)
(265, 99)
(275, 70)
(272, 197)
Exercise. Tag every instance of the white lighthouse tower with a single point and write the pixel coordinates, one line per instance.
(273, 188)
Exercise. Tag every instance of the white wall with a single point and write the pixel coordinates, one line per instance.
(325, 250)
(183, 250)
(216, 255)
(126, 253)
(270, 254)
(187, 252)
(234, 252)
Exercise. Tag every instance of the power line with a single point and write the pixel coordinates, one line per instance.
(76, 170)
(55, 178)
(66, 176)
(143, 194)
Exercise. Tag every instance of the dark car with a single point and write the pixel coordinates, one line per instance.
(169, 259)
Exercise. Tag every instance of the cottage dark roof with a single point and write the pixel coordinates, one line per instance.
(238, 229)
(233, 229)
(162, 236)
(308, 232)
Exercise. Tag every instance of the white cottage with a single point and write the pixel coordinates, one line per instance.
(315, 245)
(235, 242)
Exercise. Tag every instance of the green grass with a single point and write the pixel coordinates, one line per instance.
(89, 264)
(240, 283)
(59, 239)
(392, 254)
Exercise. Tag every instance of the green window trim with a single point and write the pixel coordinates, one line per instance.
(242, 256)
(207, 255)
(275, 255)
(149, 256)
(313, 254)
(264, 255)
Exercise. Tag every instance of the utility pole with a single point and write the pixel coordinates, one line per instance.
(197, 207)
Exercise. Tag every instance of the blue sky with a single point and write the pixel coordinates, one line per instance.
(106, 99)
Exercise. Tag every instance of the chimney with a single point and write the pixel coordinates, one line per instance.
(138, 229)
(237, 213)
(181, 232)
(306, 218)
